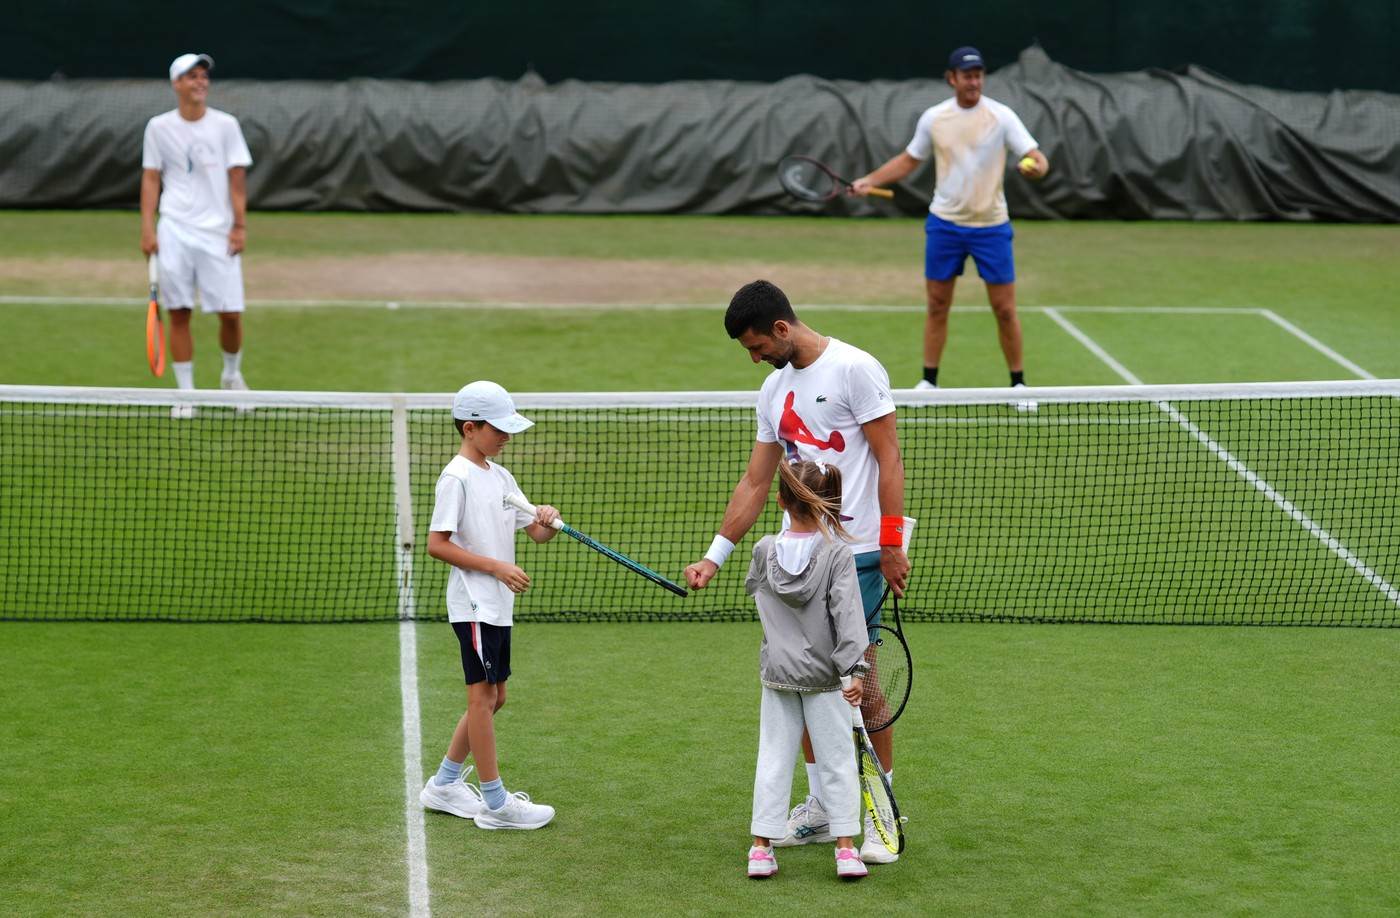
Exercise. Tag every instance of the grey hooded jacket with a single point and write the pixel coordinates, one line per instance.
(813, 622)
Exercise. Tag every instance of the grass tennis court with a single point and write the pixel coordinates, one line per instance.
(246, 769)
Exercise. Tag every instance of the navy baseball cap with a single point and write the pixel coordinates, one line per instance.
(966, 58)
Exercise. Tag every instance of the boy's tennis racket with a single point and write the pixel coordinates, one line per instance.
(891, 675)
(806, 178)
(519, 502)
(875, 790)
(155, 327)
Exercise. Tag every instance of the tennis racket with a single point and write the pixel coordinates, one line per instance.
(891, 675)
(155, 327)
(519, 502)
(875, 790)
(810, 180)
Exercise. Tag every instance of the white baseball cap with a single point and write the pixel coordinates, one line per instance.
(485, 401)
(186, 62)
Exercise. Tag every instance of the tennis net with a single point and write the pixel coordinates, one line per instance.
(1242, 504)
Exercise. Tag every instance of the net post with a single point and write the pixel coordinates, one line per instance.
(403, 505)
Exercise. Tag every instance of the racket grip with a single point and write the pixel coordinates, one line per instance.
(882, 193)
(153, 270)
(519, 502)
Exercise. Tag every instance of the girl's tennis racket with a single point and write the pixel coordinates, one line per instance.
(810, 180)
(519, 502)
(155, 327)
(875, 790)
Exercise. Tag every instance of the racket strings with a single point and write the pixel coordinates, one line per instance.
(887, 682)
(805, 180)
(878, 801)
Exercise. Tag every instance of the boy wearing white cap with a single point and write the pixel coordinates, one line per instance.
(473, 530)
(194, 162)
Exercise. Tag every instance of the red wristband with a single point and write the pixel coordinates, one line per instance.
(891, 532)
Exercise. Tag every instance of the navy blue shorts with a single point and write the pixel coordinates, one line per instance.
(947, 245)
(485, 651)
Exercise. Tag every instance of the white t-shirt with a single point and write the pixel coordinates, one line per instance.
(470, 504)
(971, 146)
(816, 413)
(194, 158)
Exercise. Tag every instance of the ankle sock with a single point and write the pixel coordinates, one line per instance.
(448, 772)
(814, 783)
(494, 793)
(184, 374)
(931, 375)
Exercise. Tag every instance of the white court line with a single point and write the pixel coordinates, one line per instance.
(1315, 344)
(12, 300)
(1287, 506)
(415, 853)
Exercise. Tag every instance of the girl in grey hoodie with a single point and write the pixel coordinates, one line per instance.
(804, 583)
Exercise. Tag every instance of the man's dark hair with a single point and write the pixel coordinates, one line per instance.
(459, 423)
(756, 307)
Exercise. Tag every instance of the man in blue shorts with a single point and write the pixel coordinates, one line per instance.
(969, 135)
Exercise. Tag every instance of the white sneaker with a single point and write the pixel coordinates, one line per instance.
(925, 384)
(182, 412)
(458, 798)
(872, 850)
(518, 813)
(762, 863)
(1025, 404)
(849, 866)
(807, 823)
(234, 382)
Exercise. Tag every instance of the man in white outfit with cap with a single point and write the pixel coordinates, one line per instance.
(194, 165)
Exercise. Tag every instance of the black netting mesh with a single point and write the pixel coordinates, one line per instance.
(1222, 511)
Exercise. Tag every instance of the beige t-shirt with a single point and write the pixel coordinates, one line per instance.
(970, 146)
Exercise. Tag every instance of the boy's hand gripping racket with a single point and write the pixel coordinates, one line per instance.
(519, 502)
(155, 327)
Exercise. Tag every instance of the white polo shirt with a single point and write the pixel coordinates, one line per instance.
(817, 412)
(970, 146)
(470, 504)
(193, 158)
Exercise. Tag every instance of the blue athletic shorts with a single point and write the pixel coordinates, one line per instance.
(947, 245)
(485, 651)
(872, 587)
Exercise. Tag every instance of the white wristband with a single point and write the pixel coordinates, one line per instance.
(719, 550)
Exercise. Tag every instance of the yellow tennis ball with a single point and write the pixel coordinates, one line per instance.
(1027, 164)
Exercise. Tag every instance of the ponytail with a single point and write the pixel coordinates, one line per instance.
(812, 491)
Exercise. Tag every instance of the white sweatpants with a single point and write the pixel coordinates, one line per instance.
(827, 717)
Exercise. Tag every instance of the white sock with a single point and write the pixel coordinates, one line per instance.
(814, 784)
(889, 776)
(231, 362)
(184, 374)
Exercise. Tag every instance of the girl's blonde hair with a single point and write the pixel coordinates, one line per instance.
(811, 491)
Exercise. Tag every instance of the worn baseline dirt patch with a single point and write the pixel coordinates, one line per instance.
(482, 278)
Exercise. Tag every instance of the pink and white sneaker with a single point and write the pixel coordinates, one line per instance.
(849, 866)
(762, 863)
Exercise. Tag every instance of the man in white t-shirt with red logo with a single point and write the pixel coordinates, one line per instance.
(194, 162)
(826, 401)
(969, 135)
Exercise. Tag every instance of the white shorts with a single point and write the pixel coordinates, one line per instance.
(192, 257)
